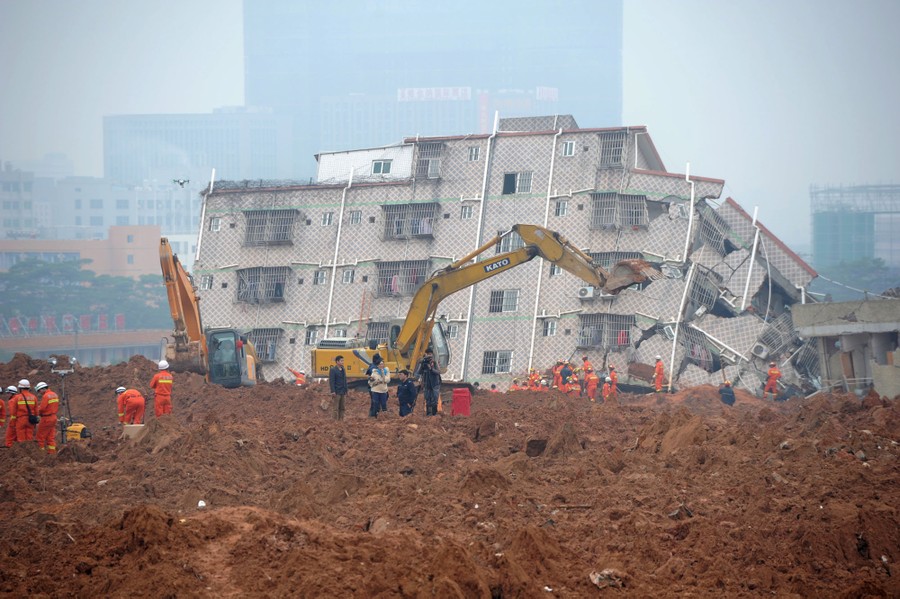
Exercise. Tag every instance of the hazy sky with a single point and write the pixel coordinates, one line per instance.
(770, 95)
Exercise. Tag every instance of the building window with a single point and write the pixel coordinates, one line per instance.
(96, 204)
(341, 332)
(555, 269)
(509, 242)
(405, 221)
(269, 227)
(265, 341)
(428, 164)
(378, 332)
(568, 148)
(129, 239)
(312, 335)
(612, 149)
(319, 277)
(562, 208)
(355, 217)
(609, 331)
(466, 212)
(348, 275)
(606, 260)
(517, 183)
(122, 221)
(549, 329)
(381, 167)
(122, 204)
(77, 221)
(504, 300)
(495, 362)
(215, 223)
(96, 221)
(130, 258)
(262, 285)
(612, 210)
(327, 219)
(633, 211)
(452, 330)
(78, 204)
(401, 278)
(206, 282)
(474, 152)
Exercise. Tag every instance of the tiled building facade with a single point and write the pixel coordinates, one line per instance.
(343, 257)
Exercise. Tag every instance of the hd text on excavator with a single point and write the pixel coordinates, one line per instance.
(409, 338)
(226, 357)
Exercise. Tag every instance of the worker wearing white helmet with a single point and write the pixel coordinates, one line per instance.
(658, 374)
(6, 406)
(47, 410)
(606, 392)
(161, 383)
(131, 405)
(24, 407)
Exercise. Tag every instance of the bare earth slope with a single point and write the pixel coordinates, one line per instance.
(534, 495)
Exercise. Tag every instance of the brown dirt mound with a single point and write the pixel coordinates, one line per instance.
(669, 495)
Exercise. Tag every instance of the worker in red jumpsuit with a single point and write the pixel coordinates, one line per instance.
(131, 405)
(26, 404)
(585, 364)
(607, 390)
(614, 378)
(658, 374)
(534, 379)
(557, 375)
(772, 381)
(299, 377)
(11, 412)
(591, 382)
(46, 430)
(574, 384)
(161, 383)
(515, 386)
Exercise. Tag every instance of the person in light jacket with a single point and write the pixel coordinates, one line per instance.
(378, 383)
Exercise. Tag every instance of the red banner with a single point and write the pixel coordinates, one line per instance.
(84, 322)
(120, 321)
(101, 322)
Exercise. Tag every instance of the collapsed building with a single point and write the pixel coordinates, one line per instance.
(341, 256)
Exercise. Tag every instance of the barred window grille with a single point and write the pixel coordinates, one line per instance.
(712, 230)
(612, 149)
(266, 343)
(406, 221)
(696, 347)
(509, 242)
(504, 300)
(704, 290)
(606, 260)
(604, 210)
(517, 183)
(401, 278)
(428, 163)
(269, 227)
(495, 362)
(262, 285)
(807, 360)
(779, 334)
(633, 211)
(378, 331)
(610, 331)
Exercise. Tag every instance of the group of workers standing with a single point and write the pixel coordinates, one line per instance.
(30, 417)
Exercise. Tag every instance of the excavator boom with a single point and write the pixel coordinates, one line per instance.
(189, 352)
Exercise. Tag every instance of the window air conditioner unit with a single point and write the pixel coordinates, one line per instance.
(760, 351)
(669, 332)
(586, 292)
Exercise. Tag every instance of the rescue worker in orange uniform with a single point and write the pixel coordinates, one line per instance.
(11, 427)
(534, 379)
(25, 403)
(607, 390)
(3, 410)
(658, 374)
(299, 377)
(591, 381)
(772, 382)
(131, 405)
(574, 384)
(161, 383)
(614, 378)
(557, 375)
(585, 364)
(49, 408)
(515, 386)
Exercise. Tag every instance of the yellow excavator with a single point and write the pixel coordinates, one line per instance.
(409, 338)
(226, 357)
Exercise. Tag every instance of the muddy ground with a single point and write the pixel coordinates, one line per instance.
(534, 495)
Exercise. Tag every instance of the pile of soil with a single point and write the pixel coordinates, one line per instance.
(535, 494)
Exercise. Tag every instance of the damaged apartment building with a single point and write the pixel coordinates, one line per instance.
(341, 256)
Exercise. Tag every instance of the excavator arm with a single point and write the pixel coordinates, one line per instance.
(539, 241)
(189, 352)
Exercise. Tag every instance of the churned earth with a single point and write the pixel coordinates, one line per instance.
(533, 495)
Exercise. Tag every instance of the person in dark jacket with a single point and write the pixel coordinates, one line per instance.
(726, 394)
(429, 373)
(337, 380)
(406, 394)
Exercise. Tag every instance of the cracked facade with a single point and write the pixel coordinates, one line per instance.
(341, 257)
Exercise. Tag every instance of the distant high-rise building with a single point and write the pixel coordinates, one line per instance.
(368, 74)
(856, 222)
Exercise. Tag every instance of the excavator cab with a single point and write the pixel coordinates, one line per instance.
(231, 363)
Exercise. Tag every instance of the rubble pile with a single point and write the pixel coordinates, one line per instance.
(258, 492)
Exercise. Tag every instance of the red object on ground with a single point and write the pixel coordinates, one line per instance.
(462, 402)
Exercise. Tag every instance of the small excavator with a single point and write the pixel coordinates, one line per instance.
(223, 355)
(409, 338)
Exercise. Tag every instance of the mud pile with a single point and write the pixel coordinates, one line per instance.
(534, 495)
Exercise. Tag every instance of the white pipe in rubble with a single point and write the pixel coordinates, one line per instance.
(687, 239)
(540, 279)
(687, 285)
(752, 259)
(337, 247)
(484, 183)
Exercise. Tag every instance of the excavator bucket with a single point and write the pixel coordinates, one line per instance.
(628, 272)
(186, 361)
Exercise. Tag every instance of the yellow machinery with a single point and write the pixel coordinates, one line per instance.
(225, 356)
(408, 339)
